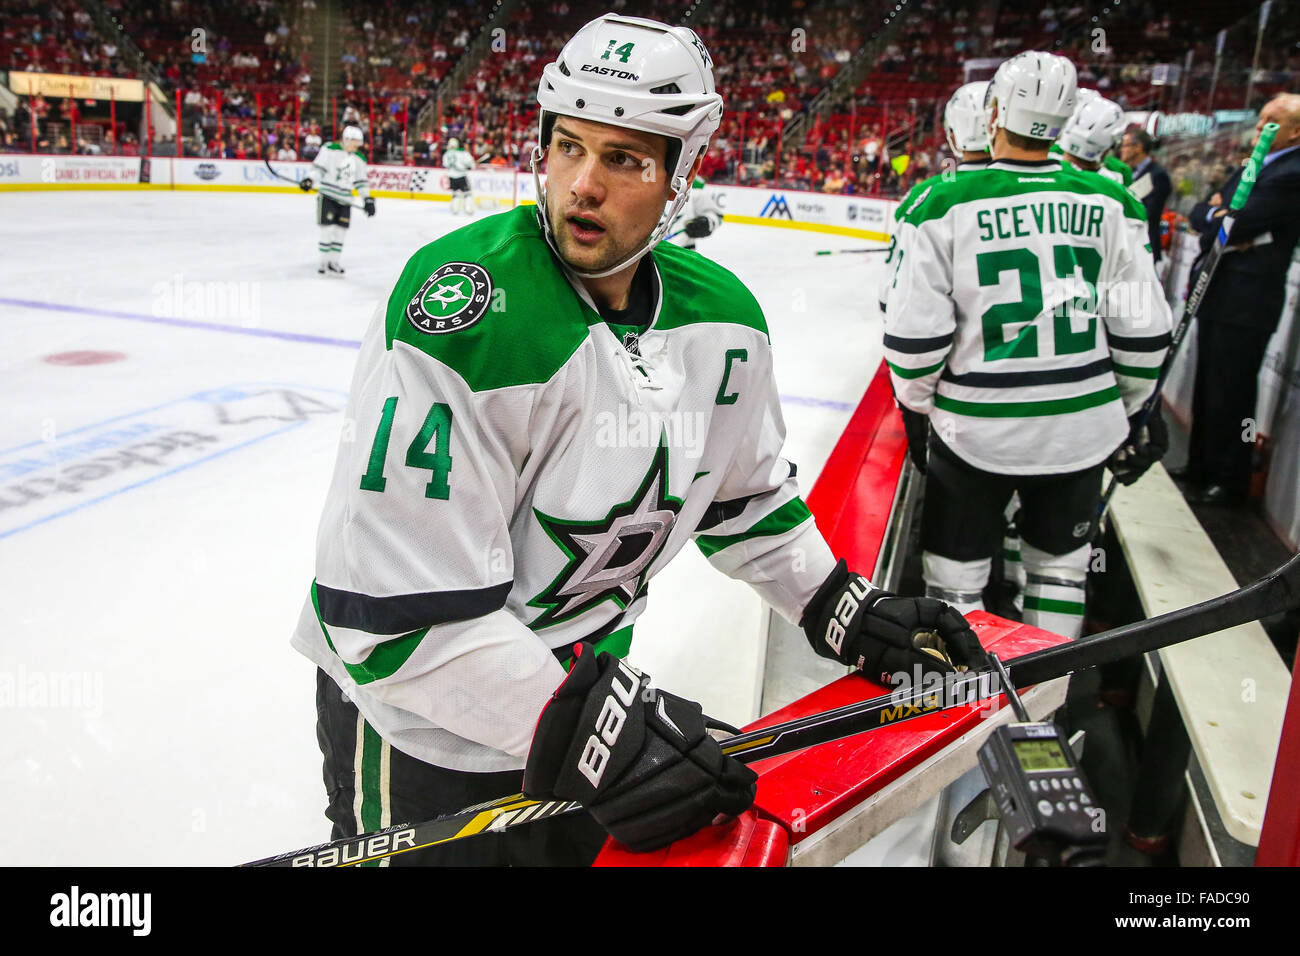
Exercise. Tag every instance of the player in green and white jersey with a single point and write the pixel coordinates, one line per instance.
(459, 164)
(965, 129)
(1091, 137)
(1112, 167)
(1026, 322)
(549, 406)
(699, 218)
(340, 169)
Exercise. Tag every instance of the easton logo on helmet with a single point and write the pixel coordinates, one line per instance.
(609, 71)
(452, 299)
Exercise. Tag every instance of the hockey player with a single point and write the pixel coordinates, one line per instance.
(1026, 323)
(1092, 135)
(489, 535)
(340, 169)
(459, 164)
(965, 128)
(699, 218)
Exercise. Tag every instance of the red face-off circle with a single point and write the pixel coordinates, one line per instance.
(87, 357)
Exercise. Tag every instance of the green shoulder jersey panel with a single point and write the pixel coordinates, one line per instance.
(520, 326)
(939, 197)
(339, 146)
(696, 289)
(1115, 164)
(906, 202)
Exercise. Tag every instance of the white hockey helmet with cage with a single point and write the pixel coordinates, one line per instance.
(639, 74)
(1035, 93)
(353, 132)
(1093, 130)
(964, 123)
(453, 143)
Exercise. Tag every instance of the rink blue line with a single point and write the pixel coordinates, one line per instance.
(300, 337)
(147, 481)
(183, 323)
(174, 401)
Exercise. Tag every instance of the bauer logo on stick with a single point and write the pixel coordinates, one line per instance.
(453, 298)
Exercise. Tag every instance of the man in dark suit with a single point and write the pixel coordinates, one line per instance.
(1241, 309)
(1150, 181)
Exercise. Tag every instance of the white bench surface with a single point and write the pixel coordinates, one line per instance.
(1231, 686)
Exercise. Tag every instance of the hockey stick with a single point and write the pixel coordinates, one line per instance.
(1195, 297)
(1272, 594)
(833, 252)
(352, 202)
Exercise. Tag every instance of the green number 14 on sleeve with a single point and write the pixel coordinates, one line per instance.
(435, 433)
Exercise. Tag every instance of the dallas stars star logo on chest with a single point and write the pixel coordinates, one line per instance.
(609, 559)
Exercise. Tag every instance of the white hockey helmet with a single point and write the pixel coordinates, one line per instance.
(453, 143)
(640, 74)
(353, 132)
(964, 122)
(1093, 130)
(1035, 94)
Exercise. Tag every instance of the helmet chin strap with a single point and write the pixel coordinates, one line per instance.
(679, 185)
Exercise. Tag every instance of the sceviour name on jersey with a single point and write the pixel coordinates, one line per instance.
(1055, 217)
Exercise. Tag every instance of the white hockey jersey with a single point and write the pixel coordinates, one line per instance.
(1024, 315)
(700, 203)
(518, 475)
(457, 161)
(338, 173)
(887, 279)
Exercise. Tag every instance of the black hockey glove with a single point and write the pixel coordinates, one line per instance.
(639, 760)
(1143, 448)
(917, 427)
(370, 206)
(699, 227)
(882, 634)
(305, 184)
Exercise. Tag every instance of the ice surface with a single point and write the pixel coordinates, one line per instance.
(151, 710)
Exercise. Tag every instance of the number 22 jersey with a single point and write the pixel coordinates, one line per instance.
(1024, 314)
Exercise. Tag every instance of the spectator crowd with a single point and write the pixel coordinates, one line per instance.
(823, 95)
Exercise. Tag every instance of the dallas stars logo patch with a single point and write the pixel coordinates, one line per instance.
(453, 298)
(609, 559)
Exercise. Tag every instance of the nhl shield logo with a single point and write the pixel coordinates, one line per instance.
(453, 298)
